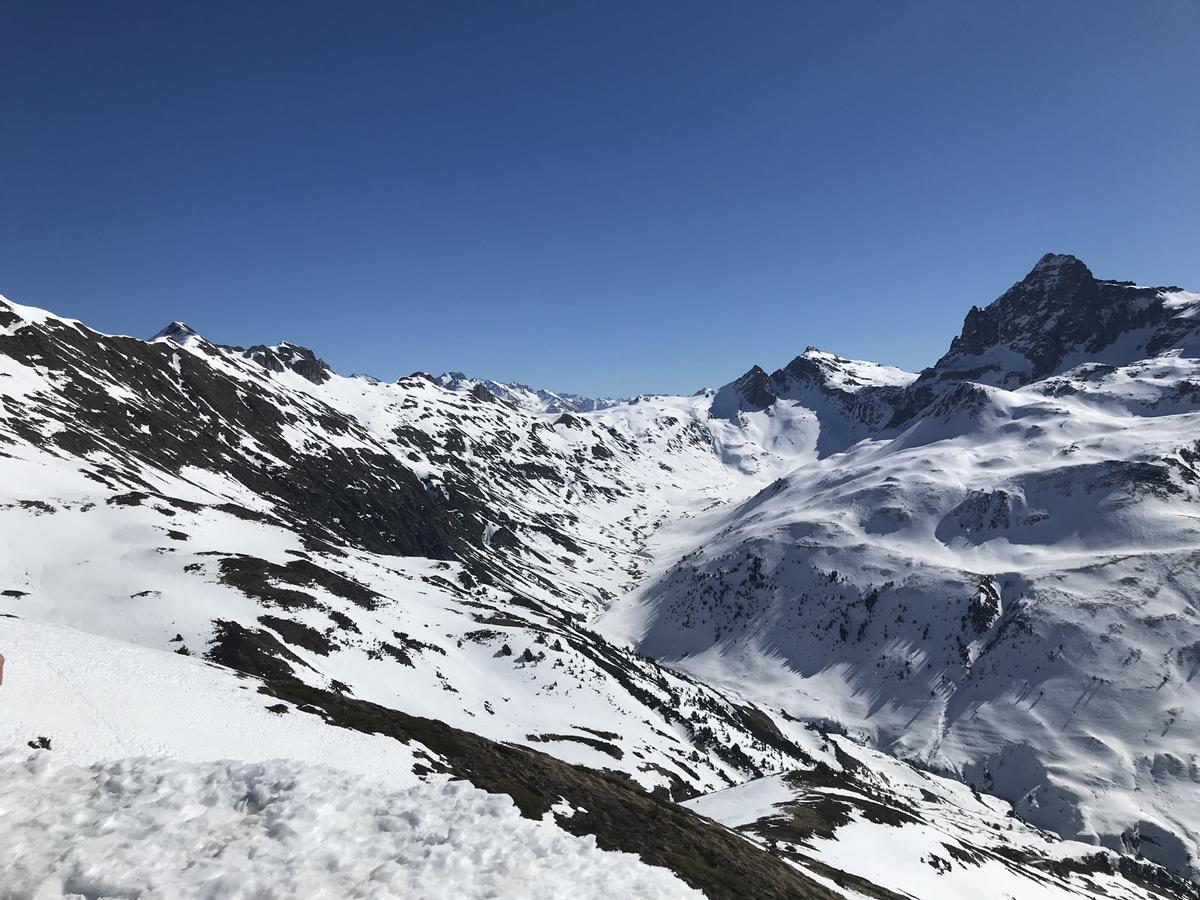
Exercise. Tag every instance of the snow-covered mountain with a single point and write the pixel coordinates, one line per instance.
(1000, 581)
(537, 400)
(984, 570)
(1060, 316)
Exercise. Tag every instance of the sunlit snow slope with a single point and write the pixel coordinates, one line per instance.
(130, 771)
(129, 800)
(999, 580)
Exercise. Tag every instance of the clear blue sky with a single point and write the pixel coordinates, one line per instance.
(602, 197)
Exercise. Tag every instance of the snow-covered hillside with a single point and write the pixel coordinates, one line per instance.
(408, 544)
(999, 584)
(160, 776)
(130, 771)
(984, 569)
(869, 822)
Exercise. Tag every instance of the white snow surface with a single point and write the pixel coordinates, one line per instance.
(98, 816)
(159, 829)
(1003, 590)
(99, 699)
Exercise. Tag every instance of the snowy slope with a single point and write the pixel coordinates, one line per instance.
(873, 824)
(211, 786)
(847, 399)
(89, 695)
(402, 543)
(130, 801)
(1002, 586)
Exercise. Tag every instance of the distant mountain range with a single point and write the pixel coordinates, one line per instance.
(538, 400)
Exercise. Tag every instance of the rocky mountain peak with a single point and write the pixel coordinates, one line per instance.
(177, 332)
(286, 355)
(755, 387)
(1056, 313)
(482, 394)
(750, 392)
(1055, 264)
(1062, 281)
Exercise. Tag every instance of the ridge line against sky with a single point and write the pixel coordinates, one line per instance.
(606, 199)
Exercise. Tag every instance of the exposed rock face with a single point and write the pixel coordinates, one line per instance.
(191, 413)
(750, 392)
(178, 332)
(1057, 316)
(292, 357)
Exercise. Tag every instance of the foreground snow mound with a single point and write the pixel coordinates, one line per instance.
(152, 828)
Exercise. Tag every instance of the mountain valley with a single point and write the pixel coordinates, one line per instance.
(741, 641)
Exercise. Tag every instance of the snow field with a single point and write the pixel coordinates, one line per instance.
(159, 828)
